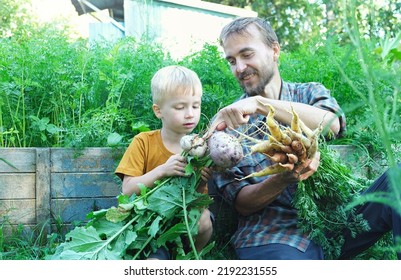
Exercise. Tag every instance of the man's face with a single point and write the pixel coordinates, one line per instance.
(251, 60)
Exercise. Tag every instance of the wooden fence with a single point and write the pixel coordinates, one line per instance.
(38, 185)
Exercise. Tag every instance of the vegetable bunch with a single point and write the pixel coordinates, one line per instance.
(164, 216)
(323, 203)
(286, 146)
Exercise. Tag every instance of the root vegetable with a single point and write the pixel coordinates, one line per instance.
(288, 146)
(292, 158)
(295, 121)
(297, 146)
(299, 137)
(272, 125)
(194, 145)
(272, 169)
(279, 157)
(314, 141)
(225, 149)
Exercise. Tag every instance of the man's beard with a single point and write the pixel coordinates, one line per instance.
(259, 89)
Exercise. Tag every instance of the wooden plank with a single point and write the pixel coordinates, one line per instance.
(17, 186)
(86, 160)
(80, 185)
(71, 210)
(18, 211)
(23, 159)
(43, 188)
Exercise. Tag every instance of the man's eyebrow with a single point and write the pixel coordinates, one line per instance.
(241, 51)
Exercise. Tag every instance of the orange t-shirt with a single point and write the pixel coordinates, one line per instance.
(144, 154)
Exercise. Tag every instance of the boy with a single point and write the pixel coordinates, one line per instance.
(176, 93)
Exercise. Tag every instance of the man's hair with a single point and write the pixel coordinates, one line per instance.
(241, 24)
(172, 81)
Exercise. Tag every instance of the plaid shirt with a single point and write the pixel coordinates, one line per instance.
(277, 222)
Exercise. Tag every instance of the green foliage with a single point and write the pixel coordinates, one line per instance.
(19, 243)
(13, 17)
(158, 217)
(338, 67)
(60, 93)
(57, 93)
(297, 21)
(322, 202)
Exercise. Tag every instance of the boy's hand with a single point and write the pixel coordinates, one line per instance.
(206, 174)
(174, 166)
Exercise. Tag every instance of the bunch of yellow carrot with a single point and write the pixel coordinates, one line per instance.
(286, 146)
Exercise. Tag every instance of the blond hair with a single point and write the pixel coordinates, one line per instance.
(172, 81)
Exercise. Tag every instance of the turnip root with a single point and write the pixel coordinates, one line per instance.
(225, 149)
(194, 145)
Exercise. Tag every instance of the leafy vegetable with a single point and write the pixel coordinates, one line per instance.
(140, 224)
(322, 202)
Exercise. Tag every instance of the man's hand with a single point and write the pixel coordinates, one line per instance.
(234, 115)
(306, 169)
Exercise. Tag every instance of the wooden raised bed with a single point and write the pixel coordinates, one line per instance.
(56, 184)
(53, 186)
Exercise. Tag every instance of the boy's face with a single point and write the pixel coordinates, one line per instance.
(180, 113)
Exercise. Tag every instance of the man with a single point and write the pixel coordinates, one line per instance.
(267, 227)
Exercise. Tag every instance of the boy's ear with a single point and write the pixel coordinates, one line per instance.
(156, 110)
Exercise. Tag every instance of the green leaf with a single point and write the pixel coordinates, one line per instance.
(126, 206)
(141, 223)
(114, 139)
(96, 214)
(115, 215)
(189, 170)
(140, 127)
(85, 244)
(174, 232)
(155, 227)
(165, 201)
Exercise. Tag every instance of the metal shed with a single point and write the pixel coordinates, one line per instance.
(182, 26)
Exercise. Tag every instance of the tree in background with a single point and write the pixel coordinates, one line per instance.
(296, 21)
(13, 15)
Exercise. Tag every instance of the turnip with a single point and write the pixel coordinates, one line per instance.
(225, 149)
(194, 145)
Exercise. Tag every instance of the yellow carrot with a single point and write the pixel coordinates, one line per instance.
(292, 158)
(314, 141)
(298, 137)
(262, 147)
(295, 121)
(270, 170)
(272, 125)
(305, 129)
(279, 157)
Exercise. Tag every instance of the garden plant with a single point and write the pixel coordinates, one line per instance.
(61, 92)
